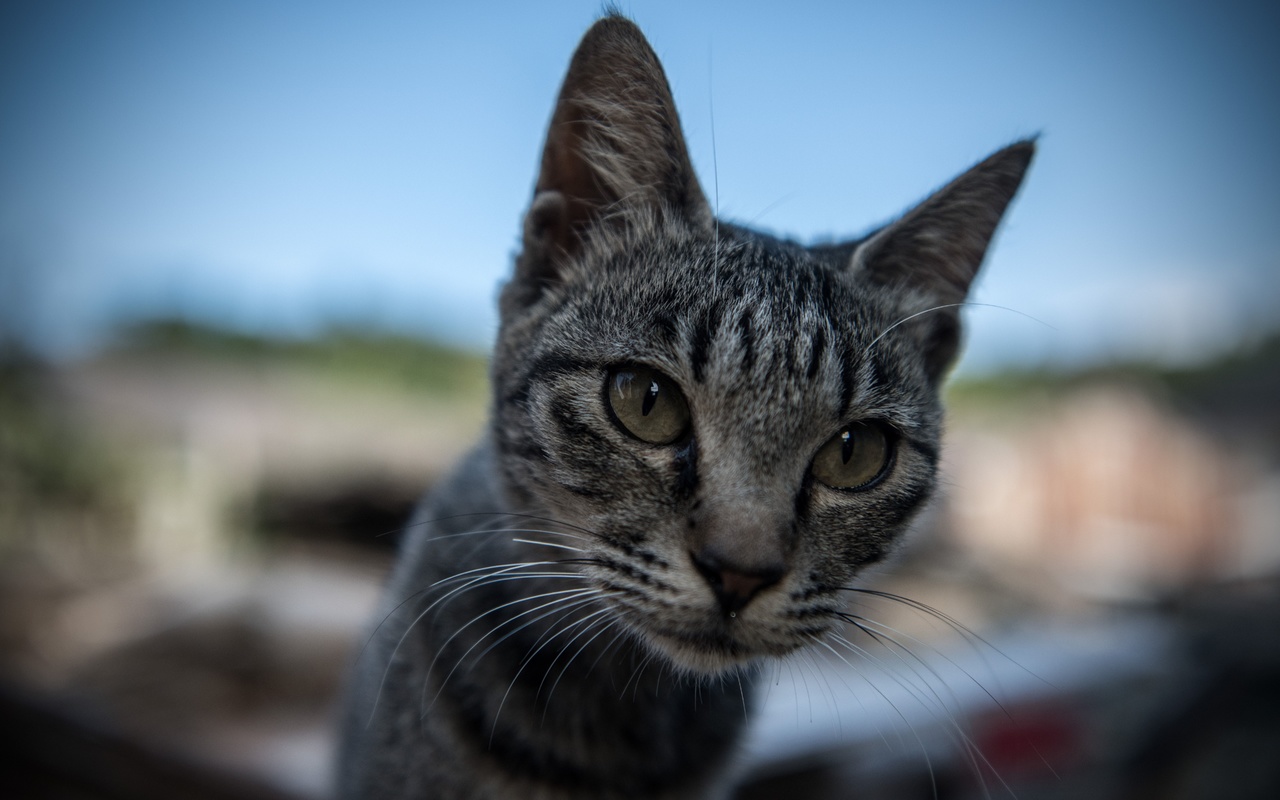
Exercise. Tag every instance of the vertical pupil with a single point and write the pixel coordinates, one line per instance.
(650, 398)
(846, 446)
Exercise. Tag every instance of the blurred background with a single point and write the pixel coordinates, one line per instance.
(248, 261)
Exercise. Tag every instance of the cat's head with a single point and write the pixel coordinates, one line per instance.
(741, 423)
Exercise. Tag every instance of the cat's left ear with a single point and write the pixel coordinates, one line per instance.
(933, 252)
(614, 153)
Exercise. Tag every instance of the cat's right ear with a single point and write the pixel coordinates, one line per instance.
(614, 148)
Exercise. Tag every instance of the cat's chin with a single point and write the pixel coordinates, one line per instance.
(711, 654)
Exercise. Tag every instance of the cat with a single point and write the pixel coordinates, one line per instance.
(700, 435)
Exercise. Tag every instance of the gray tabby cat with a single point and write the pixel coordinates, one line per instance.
(700, 435)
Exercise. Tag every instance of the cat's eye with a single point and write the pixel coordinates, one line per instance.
(647, 404)
(854, 458)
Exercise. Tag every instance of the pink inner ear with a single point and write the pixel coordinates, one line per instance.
(565, 170)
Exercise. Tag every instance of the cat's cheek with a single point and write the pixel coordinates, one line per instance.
(843, 538)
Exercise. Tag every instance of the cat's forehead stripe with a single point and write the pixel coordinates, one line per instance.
(747, 338)
(704, 333)
(817, 344)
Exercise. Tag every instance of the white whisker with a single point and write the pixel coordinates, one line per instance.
(551, 544)
(504, 570)
(604, 626)
(528, 660)
(920, 742)
(561, 605)
(945, 306)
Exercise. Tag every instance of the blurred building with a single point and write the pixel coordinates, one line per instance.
(1112, 495)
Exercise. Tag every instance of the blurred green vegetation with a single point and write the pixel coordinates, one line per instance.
(62, 480)
(55, 471)
(1244, 379)
(366, 358)
(400, 362)
(52, 472)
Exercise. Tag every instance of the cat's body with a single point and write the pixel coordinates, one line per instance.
(700, 435)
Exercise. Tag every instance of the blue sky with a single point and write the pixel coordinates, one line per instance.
(282, 166)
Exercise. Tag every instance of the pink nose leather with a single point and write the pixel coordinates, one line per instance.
(734, 586)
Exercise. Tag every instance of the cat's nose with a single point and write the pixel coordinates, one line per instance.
(735, 585)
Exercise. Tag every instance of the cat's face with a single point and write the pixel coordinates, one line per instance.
(734, 425)
(759, 373)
